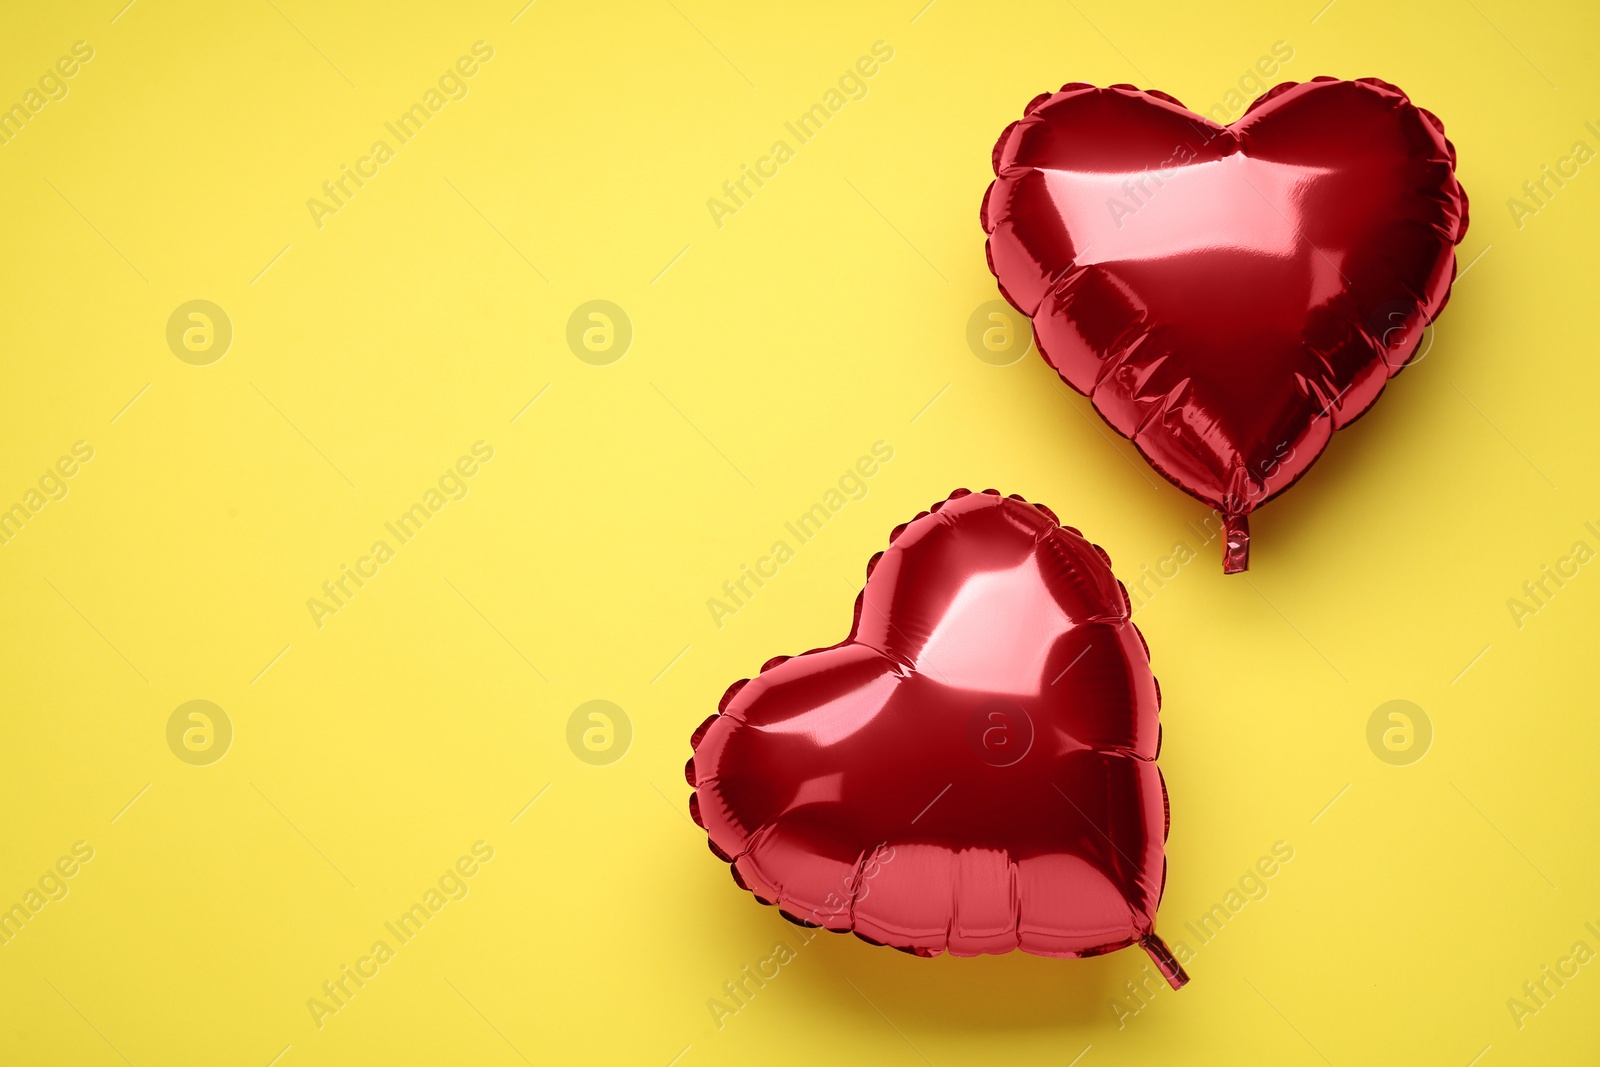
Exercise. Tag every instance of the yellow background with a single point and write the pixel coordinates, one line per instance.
(768, 354)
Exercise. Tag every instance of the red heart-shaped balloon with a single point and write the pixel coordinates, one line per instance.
(972, 769)
(1227, 296)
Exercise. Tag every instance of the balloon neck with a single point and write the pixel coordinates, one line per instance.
(1236, 544)
(1165, 961)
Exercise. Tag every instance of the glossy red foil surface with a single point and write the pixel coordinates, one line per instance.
(1227, 296)
(973, 769)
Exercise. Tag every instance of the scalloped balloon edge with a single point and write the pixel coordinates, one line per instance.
(1151, 943)
(1041, 99)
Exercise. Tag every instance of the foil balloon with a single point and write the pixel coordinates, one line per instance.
(972, 770)
(1227, 296)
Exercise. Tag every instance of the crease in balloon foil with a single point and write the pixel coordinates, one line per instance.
(972, 770)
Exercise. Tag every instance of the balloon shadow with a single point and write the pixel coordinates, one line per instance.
(1336, 480)
(837, 973)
